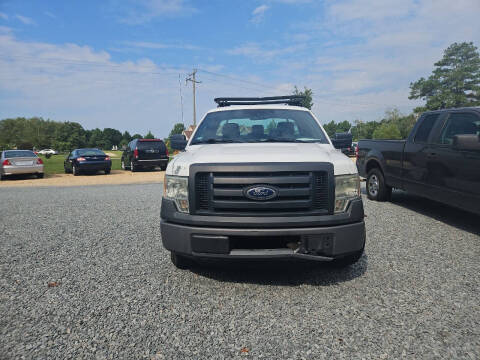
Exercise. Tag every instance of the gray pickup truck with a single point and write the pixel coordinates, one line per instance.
(440, 160)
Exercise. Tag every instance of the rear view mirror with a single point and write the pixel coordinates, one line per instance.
(466, 142)
(178, 142)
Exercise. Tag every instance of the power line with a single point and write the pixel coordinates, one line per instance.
(234, 78)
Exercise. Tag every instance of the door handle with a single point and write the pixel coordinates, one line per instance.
(432, 155)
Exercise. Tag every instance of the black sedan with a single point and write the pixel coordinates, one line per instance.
(87, 160)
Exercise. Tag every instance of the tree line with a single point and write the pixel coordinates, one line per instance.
(37, 133)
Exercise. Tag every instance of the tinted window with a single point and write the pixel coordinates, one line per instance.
(425, 128)
(259, 125)
(460, 124)
(19, 153)
(89, 152)
(151, 145)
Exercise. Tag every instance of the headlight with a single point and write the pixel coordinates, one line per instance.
(176, 188)
(347, 188)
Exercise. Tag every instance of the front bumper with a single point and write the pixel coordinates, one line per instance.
(14, 170)
(320, 243)
(321, 238)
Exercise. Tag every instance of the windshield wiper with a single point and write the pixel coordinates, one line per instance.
(216, 141)
(288, 140)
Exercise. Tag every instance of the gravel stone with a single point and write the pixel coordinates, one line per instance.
(414, 294)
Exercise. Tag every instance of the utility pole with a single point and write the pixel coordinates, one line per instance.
(194, 82)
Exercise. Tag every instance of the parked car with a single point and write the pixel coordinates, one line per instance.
(14, 162)
(261, 181)
(440, 160)
(145, 154)
(48, 151)
(87, 160)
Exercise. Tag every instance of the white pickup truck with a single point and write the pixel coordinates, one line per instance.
(260, 179)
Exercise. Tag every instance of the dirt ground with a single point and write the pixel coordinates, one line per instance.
(115, 177)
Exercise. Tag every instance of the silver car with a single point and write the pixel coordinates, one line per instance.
(14, 162)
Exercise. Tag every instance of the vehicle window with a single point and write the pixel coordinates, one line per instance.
(19, 153)
(151, 145)
(259, 125)
(460, 124)
(425, 128)
(89, 152)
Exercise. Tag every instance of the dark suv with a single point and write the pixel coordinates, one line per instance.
(145, 154)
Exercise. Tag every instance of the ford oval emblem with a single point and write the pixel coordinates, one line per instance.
(260, 192)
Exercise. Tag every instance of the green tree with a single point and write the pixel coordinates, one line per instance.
(455, 81)
(308, 93)
(149, 135)
(387, 130)
(178, 128)
(137, 136)
(330, 128)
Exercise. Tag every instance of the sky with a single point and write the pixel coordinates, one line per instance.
(123, 63)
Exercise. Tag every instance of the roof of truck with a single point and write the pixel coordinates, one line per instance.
(249, 107)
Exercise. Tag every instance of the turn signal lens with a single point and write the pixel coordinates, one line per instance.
(135, 153)
(107, 158)
(39, 161)
(6, 162)
(81, 159)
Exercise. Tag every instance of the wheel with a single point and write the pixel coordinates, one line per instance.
(180, 261)
(376, 187)
(75, 171)
(133, 168)
(349, 259)
(40, 175)
(107, 171)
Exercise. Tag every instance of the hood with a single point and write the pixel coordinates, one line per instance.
(260, 153)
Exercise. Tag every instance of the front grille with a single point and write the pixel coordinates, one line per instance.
(299, 193)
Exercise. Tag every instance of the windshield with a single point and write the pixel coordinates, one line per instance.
(18, 153)
(259, 125)
(90, 152)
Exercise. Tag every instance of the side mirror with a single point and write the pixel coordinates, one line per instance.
(336, 144)
(466, 142)
(178, 142)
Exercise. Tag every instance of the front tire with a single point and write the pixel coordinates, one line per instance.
(124, 167)
(40, 175)
(377, 189)
(181, 262)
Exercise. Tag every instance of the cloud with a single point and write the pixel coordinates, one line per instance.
(25, 20)
(3, 16)
(258, 14)
(49, 14)
(143, 11)
(262, 53)
(156, 45)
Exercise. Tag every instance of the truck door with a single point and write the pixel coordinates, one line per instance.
(457, 172)
(418, 154)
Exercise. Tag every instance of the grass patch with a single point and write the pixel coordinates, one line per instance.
(54, 165)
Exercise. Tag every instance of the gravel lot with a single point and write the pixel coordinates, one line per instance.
(415, 293)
